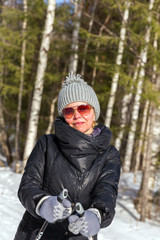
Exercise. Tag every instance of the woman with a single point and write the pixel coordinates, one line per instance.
(79, 158)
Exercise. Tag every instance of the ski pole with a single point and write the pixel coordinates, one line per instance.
(60, 198)
(80, 211)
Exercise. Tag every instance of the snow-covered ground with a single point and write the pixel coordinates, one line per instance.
(125, 225)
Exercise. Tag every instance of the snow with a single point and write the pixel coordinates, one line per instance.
(125, 225)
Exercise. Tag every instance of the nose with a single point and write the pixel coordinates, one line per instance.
(76, 114)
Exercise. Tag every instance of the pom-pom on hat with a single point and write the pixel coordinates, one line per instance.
(75, 89)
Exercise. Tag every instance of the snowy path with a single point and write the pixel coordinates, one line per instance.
(124, 226)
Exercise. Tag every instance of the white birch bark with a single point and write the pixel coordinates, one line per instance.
(154, 76)
(24, 26)
(38, 90)
(51, 117)
(145, 113)
(156, 136)
(87, 41)
(73, 61)
(125, 102)
(136, 106)
(115, 79)
(156, 127)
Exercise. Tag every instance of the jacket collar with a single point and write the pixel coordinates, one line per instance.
(78, 148)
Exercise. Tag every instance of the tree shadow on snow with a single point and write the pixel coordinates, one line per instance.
(127, 210)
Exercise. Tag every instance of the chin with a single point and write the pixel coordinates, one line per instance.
(87, 131)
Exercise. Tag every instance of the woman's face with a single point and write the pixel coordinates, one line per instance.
(82, 123)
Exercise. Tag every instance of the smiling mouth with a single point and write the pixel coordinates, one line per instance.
(78, 123)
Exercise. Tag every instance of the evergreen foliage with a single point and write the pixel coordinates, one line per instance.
(11, 18)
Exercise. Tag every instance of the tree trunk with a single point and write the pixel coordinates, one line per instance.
(142, 136)
(136, 105)
(154, 76)
(144, 192)
(24, 26)
(145, 114)
(125, 103)
(51, 117)
(156, 136)
(87, 41)
(97, 48)
(156, 128)
(73, 62)
(118, 63)
(37, 95)
(3, 134)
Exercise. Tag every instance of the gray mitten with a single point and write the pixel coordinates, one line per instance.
(52, 210)
(88, 225)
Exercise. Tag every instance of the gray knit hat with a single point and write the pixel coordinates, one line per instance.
(75, 89)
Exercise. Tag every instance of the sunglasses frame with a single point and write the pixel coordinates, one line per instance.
(75, 108)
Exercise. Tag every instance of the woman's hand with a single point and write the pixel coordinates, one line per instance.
(53, 210)
(88, 225)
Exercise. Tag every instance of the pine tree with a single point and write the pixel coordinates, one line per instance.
(87, 41)
(8, 74)
(24, 26)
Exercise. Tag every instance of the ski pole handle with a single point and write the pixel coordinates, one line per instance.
(62, 195)
(60, 198)
(80, 210)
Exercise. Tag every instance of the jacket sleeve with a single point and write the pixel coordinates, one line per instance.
(106, 189)
(31, 187)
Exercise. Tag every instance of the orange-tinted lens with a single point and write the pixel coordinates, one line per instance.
(84, 110)
(68, 112)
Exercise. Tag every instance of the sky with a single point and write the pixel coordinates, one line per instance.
(125, 225)
(61, 1)
(58, 1)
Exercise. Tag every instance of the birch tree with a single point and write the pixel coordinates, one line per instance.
(156, 136)
(136, 105)
(73, 61)
(156, 126)
(38, 89)
(115, 79)
(51, 117)
(24, 26)
(125, 103)
(145, 111)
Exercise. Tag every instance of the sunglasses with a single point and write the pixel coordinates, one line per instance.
(69, 112)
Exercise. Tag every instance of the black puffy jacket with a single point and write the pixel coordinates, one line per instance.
(89, 167)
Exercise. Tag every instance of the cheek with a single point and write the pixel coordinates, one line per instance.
(69, 121)
(90, 119)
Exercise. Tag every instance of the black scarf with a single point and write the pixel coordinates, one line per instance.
(79, 148)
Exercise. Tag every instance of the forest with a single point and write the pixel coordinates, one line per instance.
(115, 46)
